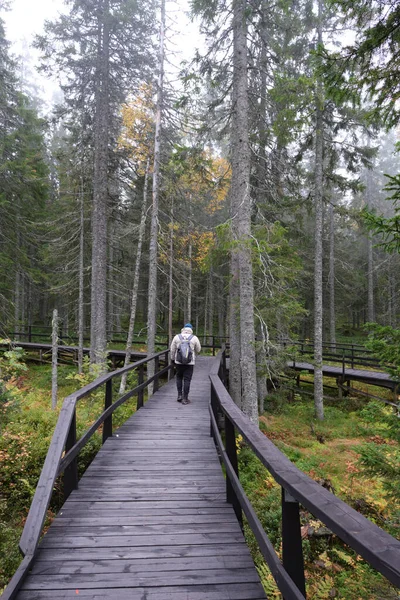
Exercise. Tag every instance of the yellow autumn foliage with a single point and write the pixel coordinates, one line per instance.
(137, 127)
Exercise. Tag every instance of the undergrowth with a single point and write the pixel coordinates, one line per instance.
(353, 453)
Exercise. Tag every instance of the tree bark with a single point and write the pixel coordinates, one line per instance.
(189, 283)
(98, 341)
(153, 263)
(371, 300)
(261, 368)
(110, 282)
(81, 314)
(332, 313)
(235, 374)
(54, 361)
(135, 286)
(318, 200)
(242, 204)
(370, 253)
(171, 276)
(210, 312)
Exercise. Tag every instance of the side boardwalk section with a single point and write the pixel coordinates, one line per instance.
(150, 518)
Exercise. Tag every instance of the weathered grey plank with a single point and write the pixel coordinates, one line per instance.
(142, 579)
(156, 565)
(127, 519)
(145, 552)
(235, 591)
(139, 530)
(58, 541)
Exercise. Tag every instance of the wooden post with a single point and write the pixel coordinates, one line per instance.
(230, 441)
(70, 479)
(224, 370)
(29, 333)
(339, 384)
(140, 392)
(156, 370)
(292, 550)
(107, 425)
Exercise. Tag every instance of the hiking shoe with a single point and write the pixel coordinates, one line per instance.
(186, 401)
(179, 399)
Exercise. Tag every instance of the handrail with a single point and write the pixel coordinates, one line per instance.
(376, 546)
(64, 439)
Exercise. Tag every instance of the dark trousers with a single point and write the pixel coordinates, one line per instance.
(183, 376)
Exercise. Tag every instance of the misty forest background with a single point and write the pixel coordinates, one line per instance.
(230, 190)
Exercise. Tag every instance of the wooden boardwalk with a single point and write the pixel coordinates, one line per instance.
(369, 377)
(149, 520)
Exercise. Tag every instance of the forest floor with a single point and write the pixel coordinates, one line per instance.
(327, 451)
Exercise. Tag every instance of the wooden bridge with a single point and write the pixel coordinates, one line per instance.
(154, 518)
(344, 375)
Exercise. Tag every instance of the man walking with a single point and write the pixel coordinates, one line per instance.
(184, 348)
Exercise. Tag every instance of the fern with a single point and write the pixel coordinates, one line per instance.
(268, 582)
(343, 557)
(323, 588)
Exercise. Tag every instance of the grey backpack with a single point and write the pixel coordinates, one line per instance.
(184, 353)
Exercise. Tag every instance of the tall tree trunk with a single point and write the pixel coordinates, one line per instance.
(235, 374)
(371, 300)
(98, 334)
(17, 288)
(241, 189)
(189, 283)
(261, 367)
(221, 310)
(206, 302)
(110, 283)
(332, 314)
(171, 276)
(81, 314)
(318, 200)
(23, 302)
(54, 361)
(210, 312)
(17, 301)
(135, 286)
(261, 169)
(153, 264)
(390, 292)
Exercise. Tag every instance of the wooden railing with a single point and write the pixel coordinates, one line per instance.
(378, 548)
(62, 455)
(43, 333)
(342, 353)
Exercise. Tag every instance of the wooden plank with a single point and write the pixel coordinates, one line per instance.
(142, 579)
(160, 507)
(203, 484)
(56, 541)
(142, 565)
(237, 591)
(87, 519)
(150, 553)
(140, 530)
